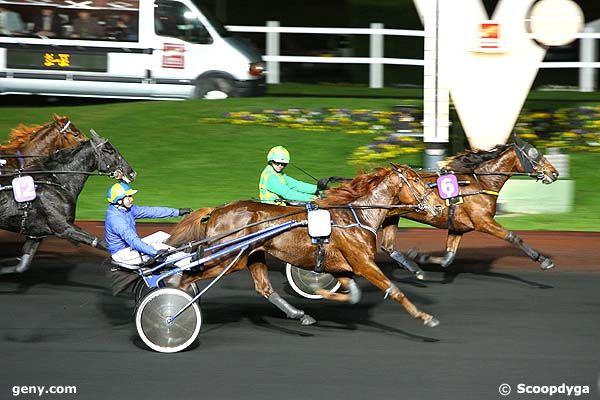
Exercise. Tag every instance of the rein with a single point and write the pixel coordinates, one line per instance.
(43, 172)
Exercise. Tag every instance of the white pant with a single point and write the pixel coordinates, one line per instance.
(132, 259)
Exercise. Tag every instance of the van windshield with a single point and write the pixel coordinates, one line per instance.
(218, 25)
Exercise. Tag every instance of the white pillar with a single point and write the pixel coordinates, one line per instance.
(436, 93)
(272, 49)
(376, 51)
(587, 53)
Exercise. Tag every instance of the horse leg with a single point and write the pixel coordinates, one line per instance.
(374, 275)
(262, 284)
(388, 241)
(452, 242)
(29, 248)
(212, 271)
(75, 234)
(363, 264)
(498, 231)
(353, 296)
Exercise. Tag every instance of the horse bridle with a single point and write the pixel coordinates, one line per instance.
(421, 200)
(100, 160)
(530, 159)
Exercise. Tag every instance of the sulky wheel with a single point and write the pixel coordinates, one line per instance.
(306, 283)
(152, 320)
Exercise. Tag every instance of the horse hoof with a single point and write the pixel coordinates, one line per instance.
(420, 275)
(547, 264)
(307, 320)
(431, 322)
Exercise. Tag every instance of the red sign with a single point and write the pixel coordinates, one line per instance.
(173, 56)
(489, 35)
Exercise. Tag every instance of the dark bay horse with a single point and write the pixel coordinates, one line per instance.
(37, 141)
(486, 172)
(349, 253)
(52, 212)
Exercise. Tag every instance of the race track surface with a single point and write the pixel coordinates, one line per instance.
(503, 320)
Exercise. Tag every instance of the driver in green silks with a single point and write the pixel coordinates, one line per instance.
(275, 186)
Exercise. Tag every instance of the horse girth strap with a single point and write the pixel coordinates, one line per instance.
(357, 223)
(482, 191)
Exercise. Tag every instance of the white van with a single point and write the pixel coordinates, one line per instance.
(163, 49)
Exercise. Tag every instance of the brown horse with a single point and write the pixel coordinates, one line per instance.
(38, 141)
(486, 172)
(357, 209)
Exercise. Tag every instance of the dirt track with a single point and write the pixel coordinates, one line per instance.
(570, 251)
(63, 326)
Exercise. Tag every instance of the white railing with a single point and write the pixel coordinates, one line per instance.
(376, 60)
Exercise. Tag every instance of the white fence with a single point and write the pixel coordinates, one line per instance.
(376, 60)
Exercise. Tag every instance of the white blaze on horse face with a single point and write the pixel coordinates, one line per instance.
(487, 88)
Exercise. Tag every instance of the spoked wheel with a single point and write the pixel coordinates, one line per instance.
(306, 283)
(154, 326)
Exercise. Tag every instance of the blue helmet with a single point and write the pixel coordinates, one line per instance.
(118, 191)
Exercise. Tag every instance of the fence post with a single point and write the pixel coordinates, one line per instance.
(272, 49)
(376, 51)
(587, 53)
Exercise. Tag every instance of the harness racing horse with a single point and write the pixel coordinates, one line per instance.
(59, 180)
(357, 209)
(484, 173)
(28, 143)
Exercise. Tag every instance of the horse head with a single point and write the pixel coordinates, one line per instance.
(68, 135)
(56, 135)
(533, 162)
(414, 190)
(109, 159)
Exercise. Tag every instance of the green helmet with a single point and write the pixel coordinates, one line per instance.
(279, 154)
(118, 191)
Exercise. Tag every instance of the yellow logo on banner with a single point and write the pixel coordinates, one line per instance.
(61, 60)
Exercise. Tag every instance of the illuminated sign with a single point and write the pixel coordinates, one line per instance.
(59, 60)
(56, 60)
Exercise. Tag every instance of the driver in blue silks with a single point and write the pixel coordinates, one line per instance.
(125, 246)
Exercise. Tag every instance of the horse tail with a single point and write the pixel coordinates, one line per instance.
(191, 228)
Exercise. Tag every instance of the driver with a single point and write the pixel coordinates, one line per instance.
(275, 186)
(125, 246)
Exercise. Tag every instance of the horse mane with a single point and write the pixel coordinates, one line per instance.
(358, 187)
(23, 133)
(469, 160)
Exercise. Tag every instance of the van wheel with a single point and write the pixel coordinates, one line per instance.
(213, 88)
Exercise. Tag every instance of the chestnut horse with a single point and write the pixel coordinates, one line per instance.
(357, 209)
(486, 172)
(38, 141)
